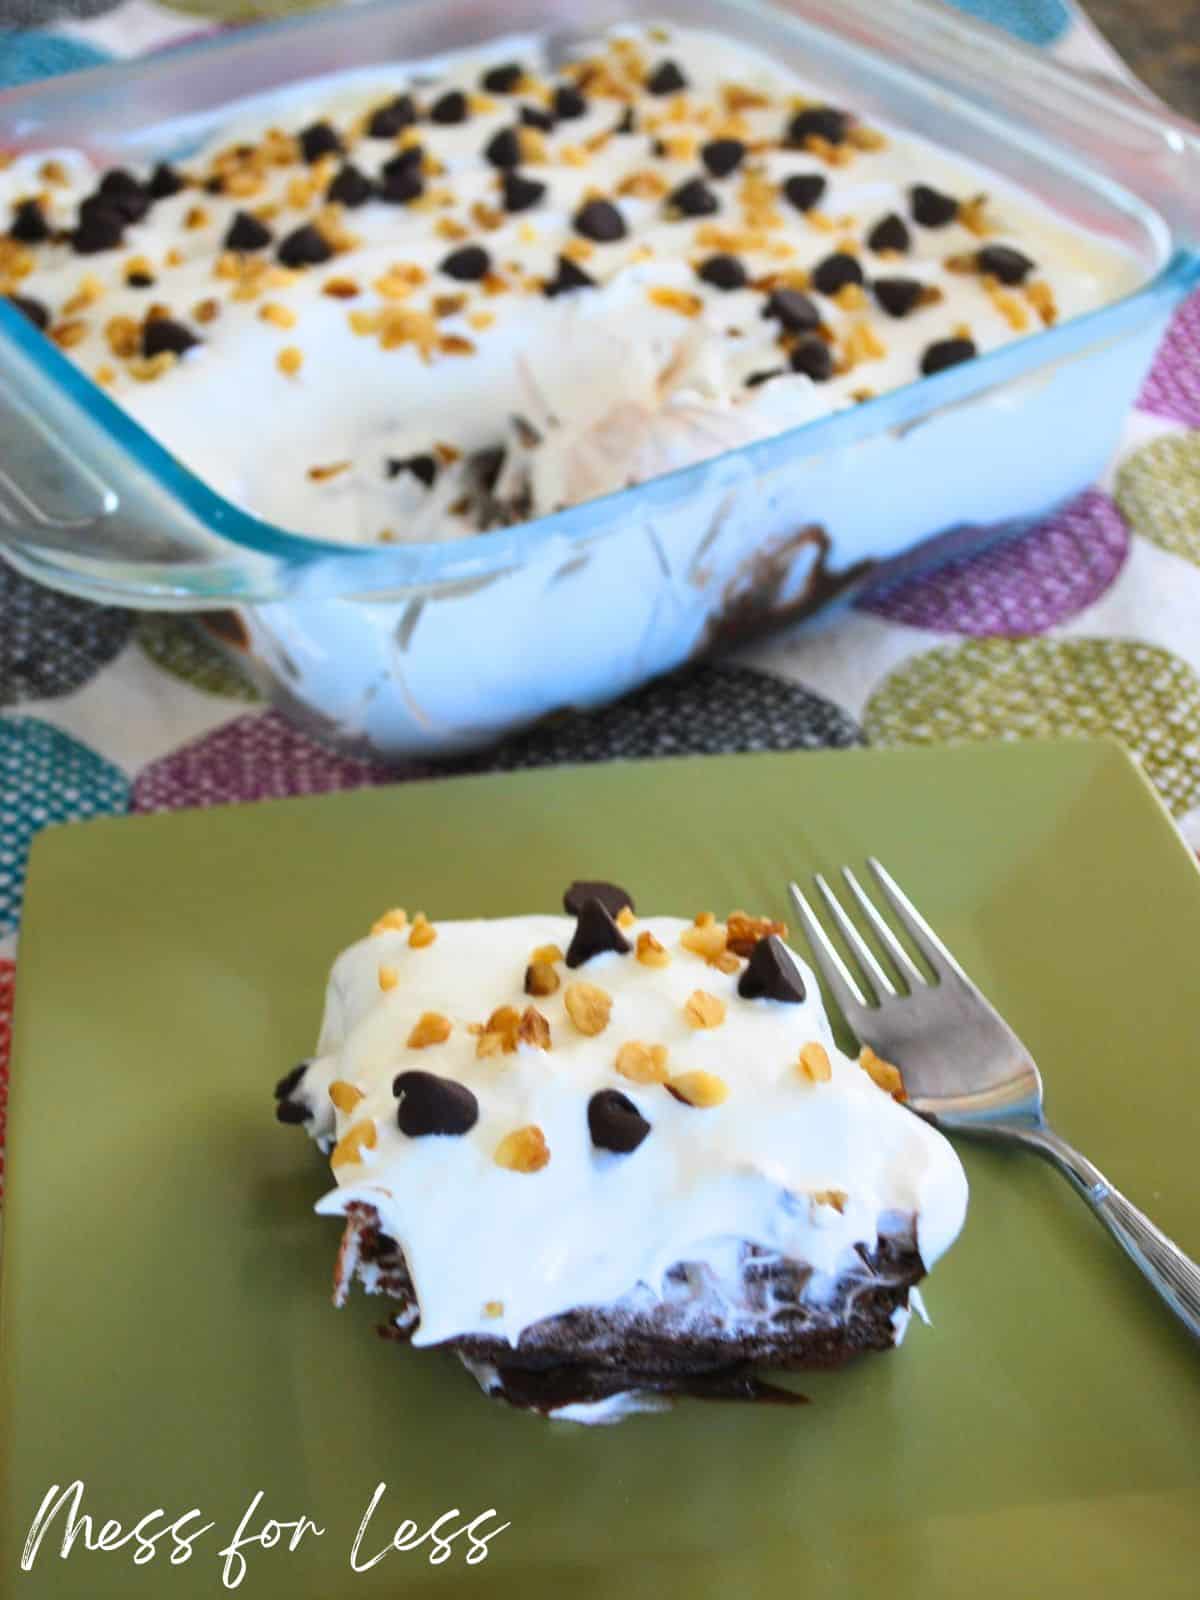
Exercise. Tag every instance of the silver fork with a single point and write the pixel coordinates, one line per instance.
(964, 1068)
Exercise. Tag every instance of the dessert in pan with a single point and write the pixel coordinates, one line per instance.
(418, 302)
(608, 1159)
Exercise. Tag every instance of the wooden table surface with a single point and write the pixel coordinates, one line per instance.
(1160, 39)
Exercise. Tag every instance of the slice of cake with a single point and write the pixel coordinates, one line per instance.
(607, 1158)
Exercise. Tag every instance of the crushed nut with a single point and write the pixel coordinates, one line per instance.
(493, 1308)
(523, 1150)
(68, 334)
(650, 951)
(683, 301)
(279, 316)
(197, 217)
(814, 1063)
(540, 978)
(707, 942)
(391, 921)
(699, 1089)
(882, 1073)
(147, 368)
(206, 310)
(534, 1029)
(431, 1027)
(643, 185)
(89, 291)
(423, 932)
(388, 978)
(499, 1034)
(972, 214)
(547, 952)
(642, 1063)
(588, 1007)
(349, 1148)
(322, 474)
(625, 917)
(344, 1095)
(742, 931)
(290, 360)
(340, 288)
(830, 1197)
(1041, 297)
(105, 375)
(703, 1010)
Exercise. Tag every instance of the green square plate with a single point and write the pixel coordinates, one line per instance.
(168, 1337)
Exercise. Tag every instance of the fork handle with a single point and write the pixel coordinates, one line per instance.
(1174, 1275)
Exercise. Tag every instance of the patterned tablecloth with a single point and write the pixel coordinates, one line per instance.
(1089, 623)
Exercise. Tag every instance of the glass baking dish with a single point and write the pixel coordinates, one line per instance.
(432, 648)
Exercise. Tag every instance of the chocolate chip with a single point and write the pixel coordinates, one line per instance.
(722, 156)
(820, 122)
(319, 139)
(246, 232)
(433, 1105)
(31, 308)
(165, 334)
(390, 119)
(898, 296)
(502, 79)
(99, 228)
(407, 160)
(804, 189)
(536, 117)
(947, 353)
(567, 277)
(305, 246)
(835, 272)
(930, 207)
(568, 103)
(125, 194)
(890, 233)
(449, 108)
(215, 185)
(403, 185)
(627, 123)
(140, 280)
(164, 181)
(290, 1080)
(595, 933)
(771, 974)
(468, 264)
(29, 223)
(756, 379)
(611, 896)
(793, 310)
(812, 357)
(1003, 262)
(520, 192)
(666, 79)
(615, 1123)
(351, 187)
(292, 1111)
(599, 220)
(503, 149)
(693, 199)
(723, 272)
(423, 467)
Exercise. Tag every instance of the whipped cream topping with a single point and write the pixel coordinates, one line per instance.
(374, 395)
(803, 1169)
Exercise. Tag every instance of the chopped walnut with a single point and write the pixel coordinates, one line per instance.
(707, 942)
(290, 360)
(643, 185)
(349, 1148)
(523, 1150)
(147, 368)
(279, 316)
(89, 291)
(699, 1089)
(1041, 298)
(547, 952)
(197, 217)
(333, 469)
(124, 336)
(388, 978)
(742, 931)
(830, 1197)
(972, 214)
(391, 921)
(703, 1010)
(499, 1034)
(431, 1027)
(344, 1095)
(206, 310)
(423, 932)
(534, 1029)
(650, 951)
(882, 1073)
(340, 288)
(68, 334)
(540, 978)
(814, 1063)
(625, 917)
(588, 1007)
(493, 1308)
(642, 1063)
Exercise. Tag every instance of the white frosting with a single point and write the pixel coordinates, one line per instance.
(621, 389)
(592, 1227)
